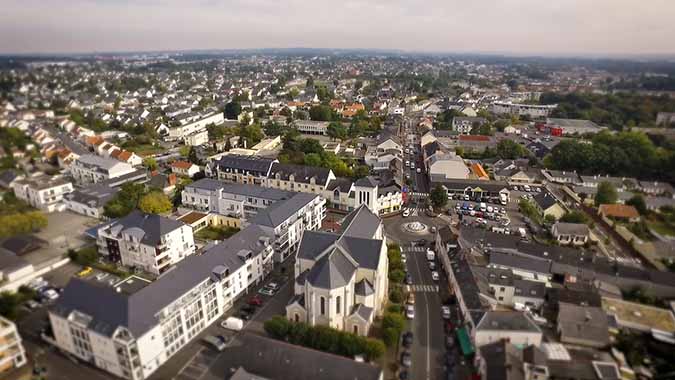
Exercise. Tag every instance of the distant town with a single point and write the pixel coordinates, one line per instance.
(310, 214)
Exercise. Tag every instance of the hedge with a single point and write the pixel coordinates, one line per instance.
(324, 338)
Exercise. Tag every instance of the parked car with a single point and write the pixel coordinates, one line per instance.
(269, 289)
(406, 359)
(255, 301)
(411, 299)
(85, 271)
(406, 213)
(407, 339)
(214, 342)
(410, 312)
(408, 280)
(449, 341)
(445, 312)
(432, 265)
(420, 242)
(434, 276)
(232, 323)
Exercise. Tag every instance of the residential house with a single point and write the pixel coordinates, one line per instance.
(184, 168)
(570, 233)
(464, 125)
(311, 127)
(531, 110)
(547, 204)
(241, 169)
(503, 360)
(516, 326)
(153, 243)
(89, 201)
(341, 278)
(621, 212)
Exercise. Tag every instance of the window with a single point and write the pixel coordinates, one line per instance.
(337, 304)
(356, 329)
(296, 318)
(322, 303)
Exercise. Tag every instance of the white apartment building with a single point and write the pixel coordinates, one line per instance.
(12, 353)
(197, 138)
(43, 192)
(151, 242)
(90, 168)
(311, 127)
(191, 125)
(532, 110)
(131, 328)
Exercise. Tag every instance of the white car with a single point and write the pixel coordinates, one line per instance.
(419, 170)
(445, 312)
(410, 311)
(406, 213)
(403, 258)
(434, 276)
(432, 265)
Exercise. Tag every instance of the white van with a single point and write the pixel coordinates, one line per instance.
(232, 323)
(483, 206)
(431, 255)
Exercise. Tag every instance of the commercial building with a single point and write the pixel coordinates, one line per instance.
(149, 242)
(531, 110)
(464, 125)
(89, 168)
(132, 327)
(240, 169)
(43, 192)
(90, 200)
(192, 124)
(311, 127)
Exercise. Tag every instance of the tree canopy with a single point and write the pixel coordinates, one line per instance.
(606, 194)
(438, 196)
(510, 149)
(155, 202)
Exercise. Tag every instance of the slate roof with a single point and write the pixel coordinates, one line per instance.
(583, 322)
(137, 311)
(545, 200)
(368, 181)
(360, 223)
(278, 360)
(363, 288)
(301, 173)
(502, 361)
(335, 269)
(341, 183)
(151, 226)
(96, 195)
(241, 189)
(277, 213)
(362, 311)
(571, 228)
(520, 262)
(247, 163)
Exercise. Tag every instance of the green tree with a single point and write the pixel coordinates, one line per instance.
(509, 149)
(638, 201)
(336, 130)
(321, 113)
(232, 110)
(155, 202)
(575, 216)
(125, 201)
(252, 134)
(606, 194)
(17, 223)
(438, 196)
(150, 163)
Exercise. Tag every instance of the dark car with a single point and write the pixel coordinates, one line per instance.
(404, 375)
(407, 339)
(406, 359)
(245, 316)
(248, 309)
(450, 359)
(449, 341)
(420, 242)
(408, 280)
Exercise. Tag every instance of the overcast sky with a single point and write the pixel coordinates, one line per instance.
(564, 27)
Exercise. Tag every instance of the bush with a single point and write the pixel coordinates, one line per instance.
(395, 321)
(390, 337)
(395, 308)
(396, 276)
(396, 295)
(85, 256)
(323, 338)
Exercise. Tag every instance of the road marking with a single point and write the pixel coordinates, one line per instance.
(426, 309)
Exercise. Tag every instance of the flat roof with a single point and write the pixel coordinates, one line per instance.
(639, 315)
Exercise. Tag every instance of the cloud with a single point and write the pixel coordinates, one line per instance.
(511, 26)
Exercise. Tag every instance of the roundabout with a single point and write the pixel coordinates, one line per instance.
(415, 227)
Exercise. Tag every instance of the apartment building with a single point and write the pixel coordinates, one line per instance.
(308, 179)
(133, 327)
(89, 168)
(43, 192)
(240, 169)
(89, 201)
(191, 124)
(230, 199)
(531, 110)
(150, 242)
(12, 353)
(464, 125)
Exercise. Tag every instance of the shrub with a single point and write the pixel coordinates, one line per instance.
(395, 308)
(395, 295)
(395, 321)
(390, 336)
(396, 276)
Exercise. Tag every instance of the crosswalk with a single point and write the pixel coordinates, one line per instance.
(416, 211)
(413, 249)
(422, 288)
(419, 195)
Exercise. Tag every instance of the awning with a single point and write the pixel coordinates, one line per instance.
(464, 341)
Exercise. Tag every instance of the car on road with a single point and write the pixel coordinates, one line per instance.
(407, 339)
(404, 259)
(434, 276)
(432, 265)
(404, 375)
(419, 170)
(411, 299)
(85, 271)
(410, 312)
(449, 341)
(445, 312)
(449, 327)
(232, 323)
(406, 213)
(269, 289)
(420, 242)
(32, 304)
(408, 280)
(215, 342)
(255, 301)
(406, 359)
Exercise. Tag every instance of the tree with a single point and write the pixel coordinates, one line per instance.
(272, 128)
(150, 163)
(321, 113)
(638, 201)
(125, 201)
(509, 149)
(252, 134)
(438, 196)
(606, 194)
(17, 223)
(575, 216)
(155, 202)
(232, 110)
(336, 130)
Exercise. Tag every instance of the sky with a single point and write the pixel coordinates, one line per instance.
(520, 27)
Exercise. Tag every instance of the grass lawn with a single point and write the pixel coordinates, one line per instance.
(661, 227)
(216, 233)
(145, 149)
